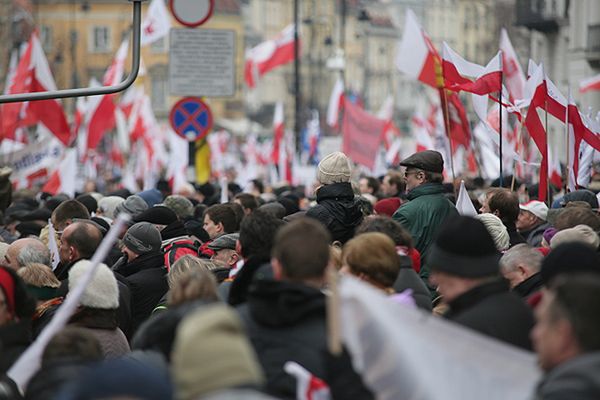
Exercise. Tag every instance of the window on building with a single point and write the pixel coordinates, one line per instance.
(100, 40)
(46, 38)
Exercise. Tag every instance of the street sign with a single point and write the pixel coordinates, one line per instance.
(202, 62)
(191, 118)
(192, 13)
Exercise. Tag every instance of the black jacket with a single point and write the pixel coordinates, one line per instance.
(338, 210)
(494, 311)
(254, 268)
(529, 286)
(409, 279)
(575, 379)
(514, 236)
(14, 340)
(147, 281)
(286, 322)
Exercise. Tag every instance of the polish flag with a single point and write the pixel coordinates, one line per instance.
(335, 103)
(421, 134)
(554, 168)
(462, 75)
(62, 179)
(308, 386)
(269, 55)
(459, 128)
(101, 113)
(33, 74)
(416, 56)
(589, 84)
(157, 23)
(581, 137)
(278, 132)
(514, 78)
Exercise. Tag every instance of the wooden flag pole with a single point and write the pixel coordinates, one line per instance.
(443, 99)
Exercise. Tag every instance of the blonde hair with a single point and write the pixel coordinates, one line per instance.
(38, 275)
(193, 284)
(374, 255)
(188, 263)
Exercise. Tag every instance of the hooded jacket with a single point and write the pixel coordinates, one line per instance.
(423, 215)
(285, 321)
(147, 281)
(576, 379)
(338, 210)
(529, 286)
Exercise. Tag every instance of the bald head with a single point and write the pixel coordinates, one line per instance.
(79, 241)
(25, 251)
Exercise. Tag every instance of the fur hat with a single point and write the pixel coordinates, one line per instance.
(133, 206)
(102, 292)
(334, 168)
(222, 359)
(497, 229)
(109, 204)
(143, 238)
(180, 205)
(580, 233)
(464, 247)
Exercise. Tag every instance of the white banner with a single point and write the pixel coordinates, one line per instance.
(406, 353)
(46, 153)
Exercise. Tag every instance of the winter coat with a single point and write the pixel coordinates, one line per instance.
(176, 243)
(575, 379)
(254, 268)
(423, 215)
(409, 279)
(14, 340)
(147, 281)
(102, 324)
(285, 321)
(338, 210)
(534, 236)
(529, 286)
(494, 311)
(50, 379)
(514, 237)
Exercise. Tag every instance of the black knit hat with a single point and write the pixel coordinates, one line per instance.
(464, 247)
(568, 258)
(88, 201)
(159, 215)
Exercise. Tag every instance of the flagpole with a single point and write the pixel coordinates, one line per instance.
(440, 83)
(547, 153)
(568, 138)
(500, 120)
(514, 175)
(297, 96)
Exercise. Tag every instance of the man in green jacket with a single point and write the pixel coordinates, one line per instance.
(427, 208)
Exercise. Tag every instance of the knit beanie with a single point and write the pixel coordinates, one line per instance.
(568, 258)
(211, 352)
(88, 201)
(109, 204)
(465, 248)
(142, 238)
(102, 292)
(334, 168)
(133, 206)
(152, 197)
(182, 207)
(497, 229)
(158, 215)
(580, 233)
(387, 206)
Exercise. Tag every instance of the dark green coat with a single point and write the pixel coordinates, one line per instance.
(423, 215)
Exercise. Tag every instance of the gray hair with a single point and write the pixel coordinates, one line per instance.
(521, 254)
(36, 253)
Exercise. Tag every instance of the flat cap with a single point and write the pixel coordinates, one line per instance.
(224, 242)
(428, 160)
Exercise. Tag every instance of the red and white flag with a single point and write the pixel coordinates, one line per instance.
(62, 179)
(462, 75)
(514, 78)
(278, 132)
(590, 84)
(335, 103)
(269, 55)
(33, 74)
(416, 56)
(583, 139)
(101, 112)
(422, 133)
(308, 386)
(362, 134)
(157, 23)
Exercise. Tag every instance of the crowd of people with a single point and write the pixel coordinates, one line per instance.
(202, 300)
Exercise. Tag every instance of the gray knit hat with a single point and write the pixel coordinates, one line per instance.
(334, 168)
(142, 238)
(133, 205)
(180, 205)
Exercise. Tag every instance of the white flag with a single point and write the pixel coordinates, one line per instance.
(464, 205)
(157, 23)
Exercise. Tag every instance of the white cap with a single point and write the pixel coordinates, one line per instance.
(537, 208)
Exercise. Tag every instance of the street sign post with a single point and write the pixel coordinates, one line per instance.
(191, 118)
(192, 13)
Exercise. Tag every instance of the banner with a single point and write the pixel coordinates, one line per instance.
(46, 153)
(405, 353)
(362, 134)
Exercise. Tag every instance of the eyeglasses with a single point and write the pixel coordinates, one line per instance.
(409, 173)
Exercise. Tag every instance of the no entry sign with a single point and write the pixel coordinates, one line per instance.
(192, 13)
(191, 118)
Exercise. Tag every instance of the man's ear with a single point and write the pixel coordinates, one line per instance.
(277, 269)
(220, 227)
(522, 270)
